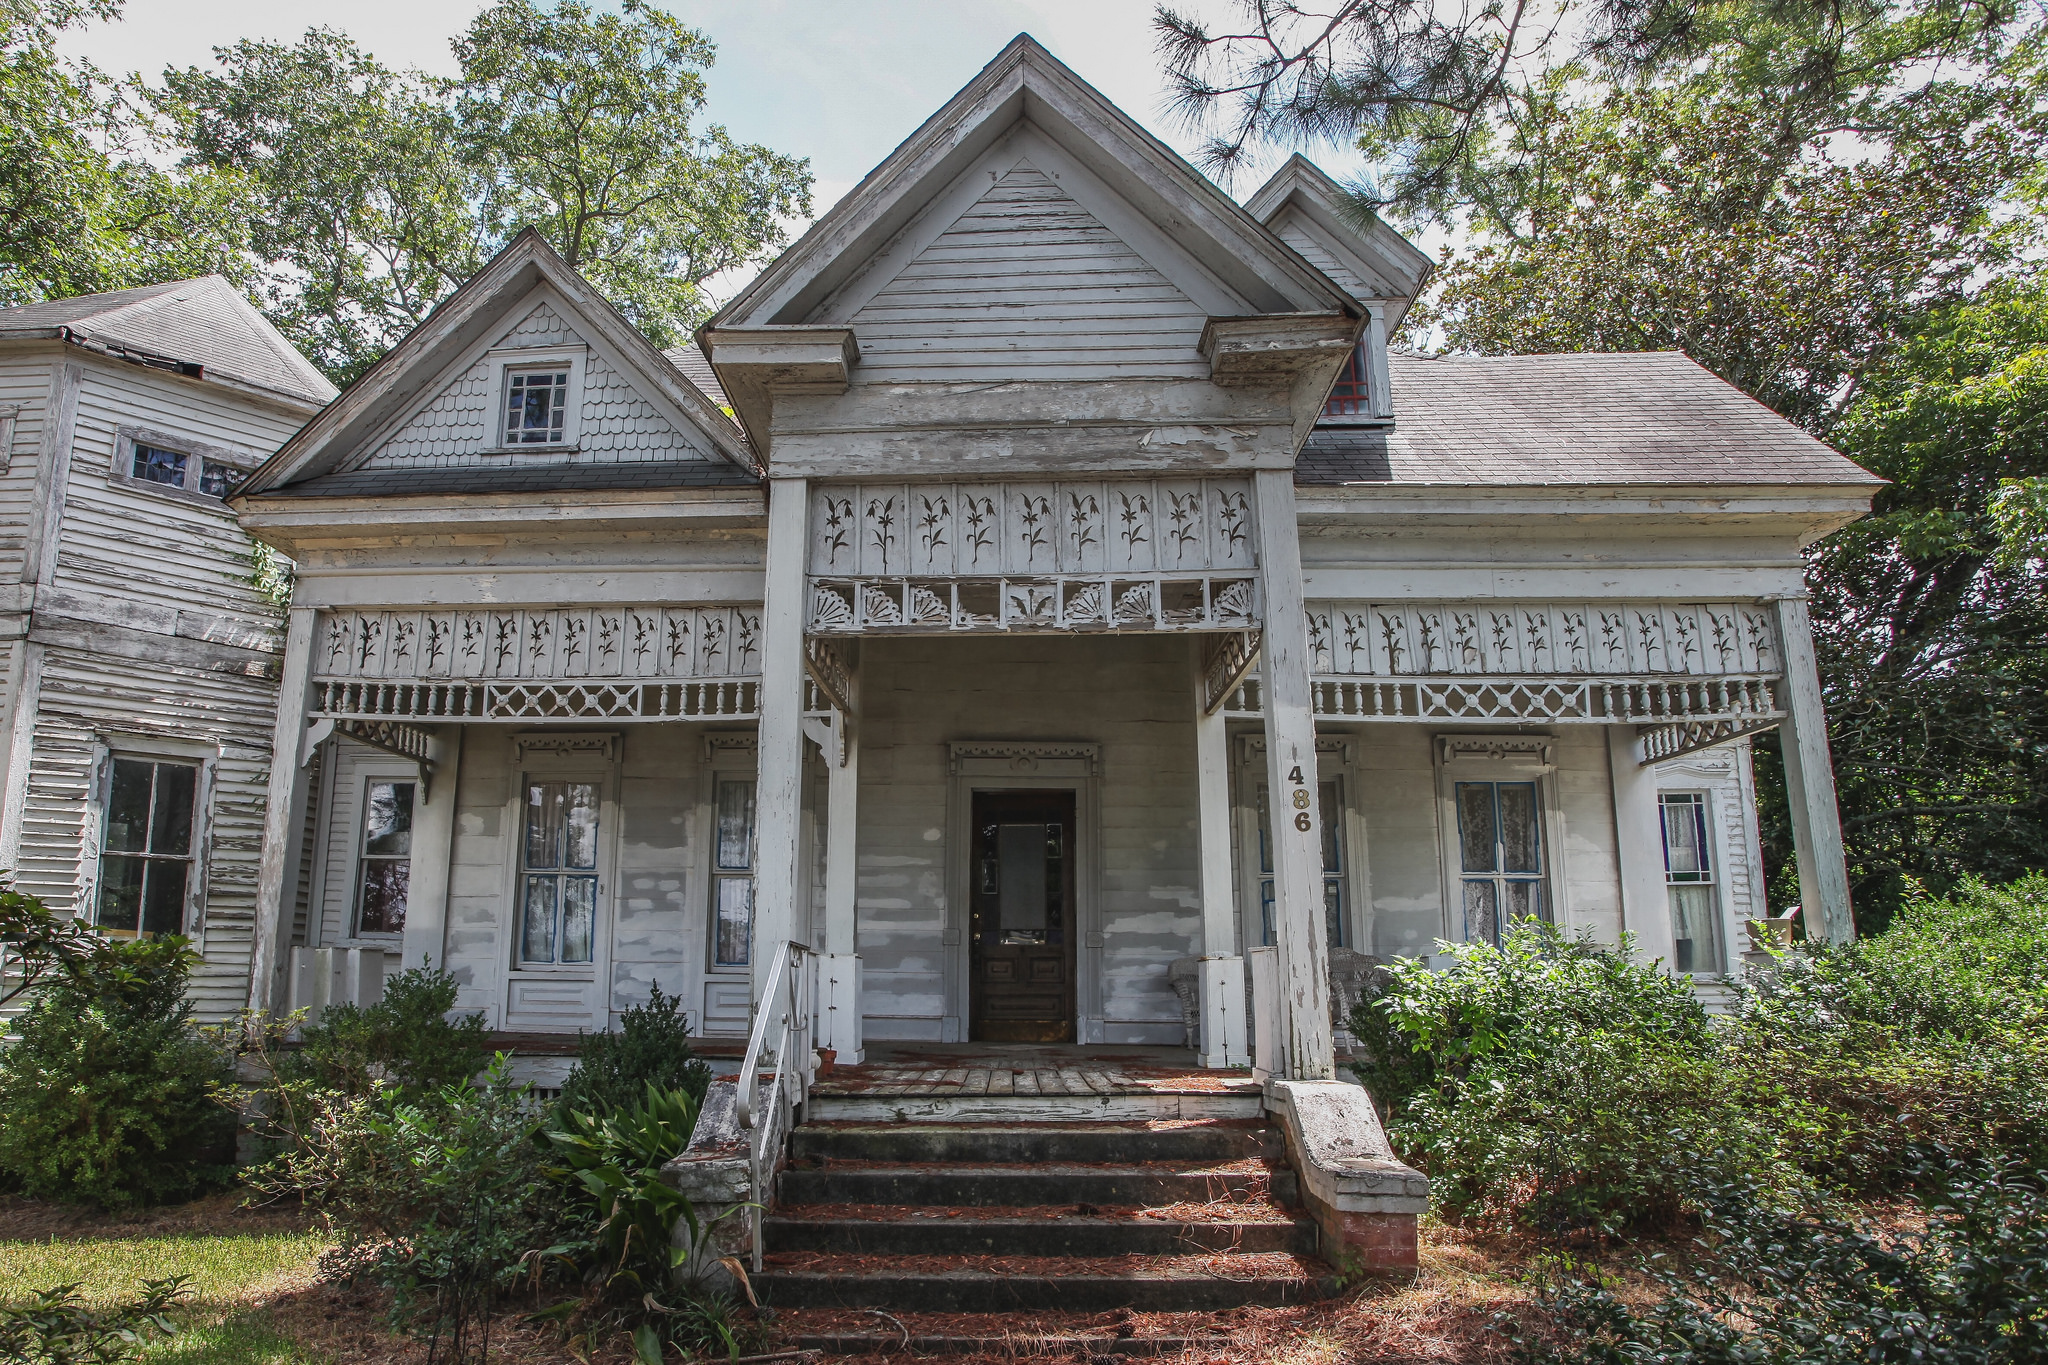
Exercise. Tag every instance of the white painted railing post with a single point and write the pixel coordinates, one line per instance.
(1269, 1027)
(841, 1007)
(1810, 783)
(1639, 847)
(778, 795)
(1296, 836)
(1220, 979)
(284, 814)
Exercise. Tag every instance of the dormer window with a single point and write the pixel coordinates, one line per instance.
(1352, 396)
(536, 406)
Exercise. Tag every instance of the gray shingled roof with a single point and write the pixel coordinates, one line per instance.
(690, 360)
(1645, 417)
(515, 477)
(204, 322)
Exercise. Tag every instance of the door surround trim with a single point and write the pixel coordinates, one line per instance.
(1024, 765)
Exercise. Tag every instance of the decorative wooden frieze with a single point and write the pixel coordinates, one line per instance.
(1534, 639)
(851, 606)
(1025, 758)
(1657, 743)
(541, 643)
(1751, 701)
(728, 699)
(1023, 530)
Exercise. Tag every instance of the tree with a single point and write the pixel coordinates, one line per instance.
(382, 190)
(81, 207)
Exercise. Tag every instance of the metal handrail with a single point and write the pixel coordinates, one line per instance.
(789, 1004)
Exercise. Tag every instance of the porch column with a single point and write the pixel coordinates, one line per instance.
(1810, 783)
(433, 847)
(840, 942)
(1297, 835)
(1220, 985)
(778, 795)
(1639, 846)
(284, 812)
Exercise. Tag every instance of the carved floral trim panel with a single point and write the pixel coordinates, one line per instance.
(950, 530)
(552, 643)
(1540, 638)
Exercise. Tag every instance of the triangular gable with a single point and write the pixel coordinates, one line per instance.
(1026, 283)
(1370, 261)
(1161, 206)
(432, 401)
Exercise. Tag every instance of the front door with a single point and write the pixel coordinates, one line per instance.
(1022, 956)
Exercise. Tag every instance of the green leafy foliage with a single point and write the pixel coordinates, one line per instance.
(107, 1096)
(1558, 1086)
(1764, 1285)
(405, 1039)
(650, 1047)
(58, 1327)
(380, 191)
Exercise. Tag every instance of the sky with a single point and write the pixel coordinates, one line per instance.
(838, 81)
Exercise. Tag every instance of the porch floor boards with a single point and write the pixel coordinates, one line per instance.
(1026, 1069)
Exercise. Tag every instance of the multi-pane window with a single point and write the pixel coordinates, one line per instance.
(1500, 857)
(1351, 397)
(149, 463)
(558, 874)
(146, 848)
(1333, 864)
(732, 874)
(536, 406)
(1689, 881)
(384, 867)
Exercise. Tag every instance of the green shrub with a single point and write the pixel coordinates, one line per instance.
(1557, 1085)
(58, 1327)
(109, 1096)
(406, 1038)
(651, 1047)
(1767, 1285)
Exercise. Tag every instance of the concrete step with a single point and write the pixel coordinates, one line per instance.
(1148, 1183)
(1008, 1284)
(1202, 1140)
(1131, 1106)
(899, 1231)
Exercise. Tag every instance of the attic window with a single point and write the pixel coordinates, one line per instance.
(165, 464)
(1352, 396)
(536, 406)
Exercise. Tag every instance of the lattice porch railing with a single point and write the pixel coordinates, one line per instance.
(710, 699)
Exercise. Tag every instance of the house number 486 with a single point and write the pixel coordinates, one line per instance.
(1301, 800)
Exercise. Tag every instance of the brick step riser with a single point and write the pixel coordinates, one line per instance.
(970, 1188)
(1127, 1108)
(1062, 1237)
(915, 1143)
(948, 1294)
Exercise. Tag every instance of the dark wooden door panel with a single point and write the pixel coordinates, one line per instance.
(1021, 890)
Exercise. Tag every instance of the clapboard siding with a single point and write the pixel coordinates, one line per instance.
(85, 695)
(336, 846)
(1319, 256)
(152, 549)
(457, 428)
(24, 386)
(1027, 283)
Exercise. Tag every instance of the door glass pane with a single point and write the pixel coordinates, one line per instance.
(1696, 940)
(1518, 827)
(170, 827)
(385, 884)
(120, 894)
(1020, 855)
(1265, 841)
(544, 824)
(1475, 826)
(537, 938)
(735, 931)
(1333, 910)
(579, 833)
(1326, 801)
(163, 896)
(1266, 914)
(1482, 924)
(735, 826)
(387, 821)
(579, 913)
(128, 806)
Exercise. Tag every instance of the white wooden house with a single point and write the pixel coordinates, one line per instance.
(956, 605)
(138, 658)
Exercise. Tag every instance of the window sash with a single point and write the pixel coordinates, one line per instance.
(1329, 802)
(187, 471)
(1499, 856)
(1351, 395)
(384, 860)
(146, 846)
(536, 405)
(1696, 940)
